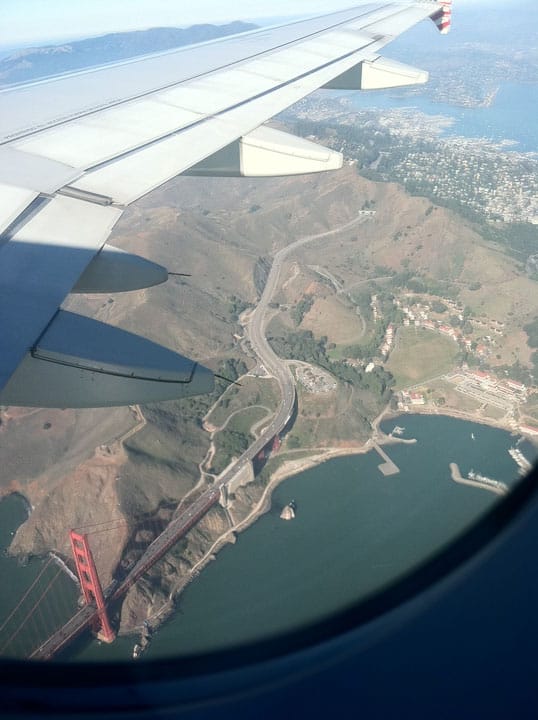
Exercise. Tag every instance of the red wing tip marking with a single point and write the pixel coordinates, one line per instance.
(443, 17)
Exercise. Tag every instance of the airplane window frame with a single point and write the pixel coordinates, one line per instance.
(19, 678)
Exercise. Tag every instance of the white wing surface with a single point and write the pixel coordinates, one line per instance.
(76, 149)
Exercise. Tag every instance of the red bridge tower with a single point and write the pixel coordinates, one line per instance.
(90, 584)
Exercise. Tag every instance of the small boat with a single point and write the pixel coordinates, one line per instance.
(137, 651)
(472, 436)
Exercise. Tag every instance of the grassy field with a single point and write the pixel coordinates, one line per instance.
(490, 411)
(419, 355)
(252, 391)
(335, 319)
(453, 398)
(329, 419)
(243, 421)
(337, 353)
(530, 409)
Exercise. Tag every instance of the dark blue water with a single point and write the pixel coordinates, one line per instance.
(355, 531)
(512, 115)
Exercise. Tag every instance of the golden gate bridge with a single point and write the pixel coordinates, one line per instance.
(37, 628)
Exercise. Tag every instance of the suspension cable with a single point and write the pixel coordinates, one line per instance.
(23, 598)
(31, 611)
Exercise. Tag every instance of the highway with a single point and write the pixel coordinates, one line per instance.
(255, 326)
(73, 627)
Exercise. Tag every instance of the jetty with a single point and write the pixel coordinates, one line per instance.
(524, 465)
(479, 481)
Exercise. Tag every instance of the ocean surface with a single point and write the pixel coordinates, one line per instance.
(511, 116)
(354, 532)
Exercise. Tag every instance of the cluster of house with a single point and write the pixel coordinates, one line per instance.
(388, 341)
(483, 386)
(419, 316)
(512, 389)
(408, 397)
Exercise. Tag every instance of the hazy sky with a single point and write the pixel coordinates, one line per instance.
(24, 21)
(40, 21)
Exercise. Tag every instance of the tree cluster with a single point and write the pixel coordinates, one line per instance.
(230, 443)
(304, 346)
(236, 307)
(532, 331)
(299, 311)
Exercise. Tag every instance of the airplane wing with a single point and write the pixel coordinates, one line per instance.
(76, 149)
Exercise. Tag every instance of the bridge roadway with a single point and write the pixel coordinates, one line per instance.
(73, 627)
(255, 328)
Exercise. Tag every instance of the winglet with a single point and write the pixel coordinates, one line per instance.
(443, 17)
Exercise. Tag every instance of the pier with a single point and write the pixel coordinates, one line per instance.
(387, 467)
(517, 456)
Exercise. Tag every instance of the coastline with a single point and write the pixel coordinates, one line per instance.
(449, 412)
(291, 467)
(288, 469)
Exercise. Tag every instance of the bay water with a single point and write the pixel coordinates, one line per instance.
(23, 624)
(511, 115)
(355, 531)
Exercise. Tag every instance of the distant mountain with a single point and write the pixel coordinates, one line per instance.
(32, 63)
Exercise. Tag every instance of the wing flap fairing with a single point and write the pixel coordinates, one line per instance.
(267, 152)
(377, 74)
